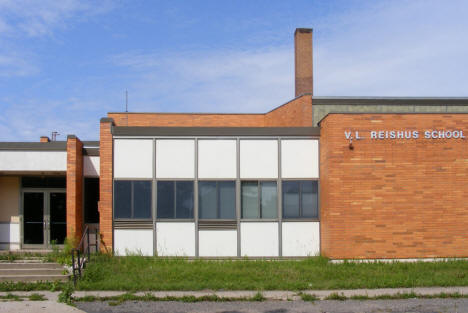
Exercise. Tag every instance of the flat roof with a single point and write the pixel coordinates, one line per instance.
(34, 146)
(435, 101)
(388, 113)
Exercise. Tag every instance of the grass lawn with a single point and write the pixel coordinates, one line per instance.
(146, 273)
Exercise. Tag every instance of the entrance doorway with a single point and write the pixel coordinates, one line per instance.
(44, 218)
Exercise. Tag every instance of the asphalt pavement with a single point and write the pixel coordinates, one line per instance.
(348, 306)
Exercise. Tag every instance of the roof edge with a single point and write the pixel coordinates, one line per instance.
(388, 113)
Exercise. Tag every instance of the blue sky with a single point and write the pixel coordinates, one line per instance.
(65, 64)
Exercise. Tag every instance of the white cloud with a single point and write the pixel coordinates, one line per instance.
(388, 48)
(13, 65)
(38, 18)
(398, 48)
(30, 119)
(221, 81)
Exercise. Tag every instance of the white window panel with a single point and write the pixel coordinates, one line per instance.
(217, 243)
(175, 239)
(259, 239)
(300, 158)
(258, 158)
(217, 158)
(133, 241)
(133, 158)
(175, 158)
(301, 238)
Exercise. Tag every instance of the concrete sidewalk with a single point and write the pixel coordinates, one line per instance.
(37, 307)
(51, 305)
(285, 295)
(268, 294)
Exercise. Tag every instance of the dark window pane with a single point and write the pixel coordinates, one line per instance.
(207, 199)
(58, 208)
(166, 199)
(91, 198)
(249, 195)
(184, 199)
(33, 207)
(309, 192)
(58, 217)
(44, 182)
(142, 199)
(290, 199)
(33, 211)
(122, 199)
(269, 200)
(227, 200)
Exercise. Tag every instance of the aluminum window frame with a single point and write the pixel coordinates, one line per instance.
(175, 219)
(300, 218)
(218, 202)
(259, 199)
(132, 204)
(237, 180)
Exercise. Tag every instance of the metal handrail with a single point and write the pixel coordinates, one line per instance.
(79, 263)
(76, 265)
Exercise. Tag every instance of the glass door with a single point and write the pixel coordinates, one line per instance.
(58, 217)
(34, 219)
(44, 218)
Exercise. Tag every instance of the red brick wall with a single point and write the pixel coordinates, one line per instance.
(105, 186)
(187, 120)
(74, 188)
(393, 198)
(295, 113)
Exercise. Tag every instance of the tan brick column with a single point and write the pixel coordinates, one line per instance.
(74, 187)
(105, 184)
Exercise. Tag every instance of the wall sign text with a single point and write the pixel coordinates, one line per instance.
(406, 134)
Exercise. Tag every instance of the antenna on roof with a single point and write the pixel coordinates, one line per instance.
(54, 135)
(126, 100)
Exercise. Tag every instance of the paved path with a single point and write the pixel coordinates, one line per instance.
(286, 295)
(269, 294)
(291, 301)
(37, 307)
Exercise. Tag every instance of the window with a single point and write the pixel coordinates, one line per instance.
(132, 199)
(44, 182)
(91, 199)
(300, 199)
(217, 199)
(175, 199)
(259, 199)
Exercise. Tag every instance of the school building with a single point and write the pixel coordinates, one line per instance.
(344, 177)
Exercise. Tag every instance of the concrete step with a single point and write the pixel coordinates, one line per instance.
(28, 265)
(33, 278)
(32, 271)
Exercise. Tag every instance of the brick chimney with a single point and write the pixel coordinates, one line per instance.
(45, 139)
(303, 61)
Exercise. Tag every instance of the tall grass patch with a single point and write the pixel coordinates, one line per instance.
(152, 273)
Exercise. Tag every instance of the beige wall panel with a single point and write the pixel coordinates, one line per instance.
(9, 198)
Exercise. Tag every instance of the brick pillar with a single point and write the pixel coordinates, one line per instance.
(74, 187)
(303, 61)
(105, 184)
